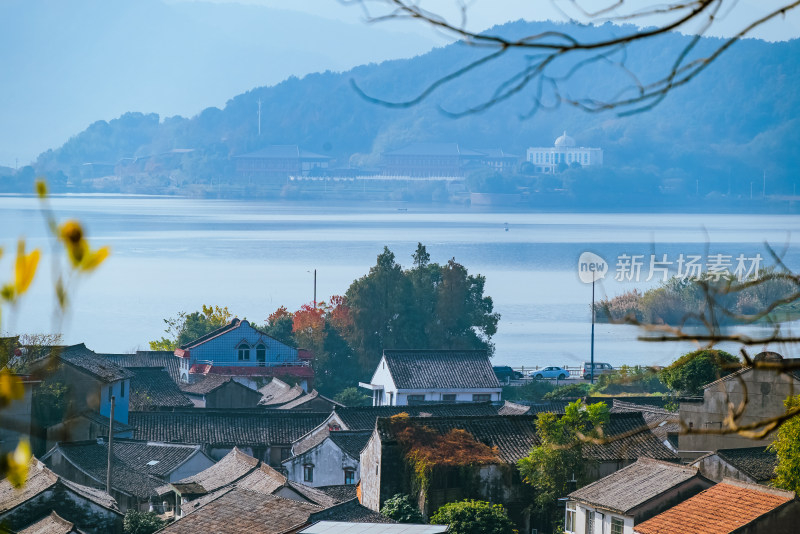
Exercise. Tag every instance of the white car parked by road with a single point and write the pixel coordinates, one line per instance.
(550, 372)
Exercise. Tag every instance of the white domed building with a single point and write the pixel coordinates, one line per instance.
(547, 159)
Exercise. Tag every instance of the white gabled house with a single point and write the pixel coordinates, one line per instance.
(407, 377)
(618, 502)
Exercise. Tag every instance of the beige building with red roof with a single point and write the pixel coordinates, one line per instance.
(729, 507)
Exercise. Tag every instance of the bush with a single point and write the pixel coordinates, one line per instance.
(473, 517)
(136, 522)
(402, 509)
(689, 373)
(630, 380)
(352, 397)
(569, 391)
(532, 391)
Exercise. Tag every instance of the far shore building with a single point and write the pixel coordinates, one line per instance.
(407, 377)
(280, 162)
(444, 160)
(546, 160)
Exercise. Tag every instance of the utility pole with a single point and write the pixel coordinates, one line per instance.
(259, 117)
(315, 288)
(592, 353)
(110, 444)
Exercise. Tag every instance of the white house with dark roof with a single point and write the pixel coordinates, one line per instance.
(330, 462)
(748, 464)
(241, 350)
(621, 500)
(407, 377)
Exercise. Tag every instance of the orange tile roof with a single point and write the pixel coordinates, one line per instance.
(718, 510)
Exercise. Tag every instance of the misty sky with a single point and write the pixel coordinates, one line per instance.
(67, 64)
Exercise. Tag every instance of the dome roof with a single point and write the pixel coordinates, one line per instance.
(565, 140)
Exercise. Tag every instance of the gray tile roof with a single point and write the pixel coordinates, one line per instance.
(131, 472)
(351, 442)
(363, 417)
(149, 358)
(51, 524)
(300, 402)
(342, 492)
(239, 510)
(440, 369)
(278, 392)
(205, 384)
(232, 467)
(94, 364)
(350, 527)
(224, 427)
(628, 437)
(663, 423)
(244, 472)
(634, 485)
(756, 462)
(351, 511)
(512, 408)
(152, 388)
(41, 479)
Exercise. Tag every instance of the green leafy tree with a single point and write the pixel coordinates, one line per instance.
(50, 402)
(352, 397)
(474, 517)
(279, 326)
(787, 447)
(689, 373)
(427, 306)
(137, 522)
(558, 460)
(401, 508)
(186, 327)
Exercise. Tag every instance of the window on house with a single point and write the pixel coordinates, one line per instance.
(244, 352)
(122, 389)
(110, 392)
(589, 522)
(617, 525)
(261, 353)
(449, 397)
(285, 453)
(391, 398)
(308, 473)
(416, 399)
(349, 476)
(481, 397)
(569, 519)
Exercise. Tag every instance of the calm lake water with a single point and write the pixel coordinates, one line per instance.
(174, 254)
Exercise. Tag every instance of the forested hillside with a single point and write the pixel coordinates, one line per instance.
(714, 137)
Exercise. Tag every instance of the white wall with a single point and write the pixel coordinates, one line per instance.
(382, 377)
(602, 520)
(192, 466)
(329, 464)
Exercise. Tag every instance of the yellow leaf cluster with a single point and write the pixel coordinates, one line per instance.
(79, 252)
(16, 464)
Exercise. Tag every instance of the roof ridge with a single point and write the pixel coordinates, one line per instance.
(758, 487)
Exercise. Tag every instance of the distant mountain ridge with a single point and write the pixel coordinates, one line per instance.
(735, 122)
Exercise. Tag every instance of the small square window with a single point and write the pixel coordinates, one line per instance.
(449, 397)
(481, 397)
(308, 473)
(349, 476)
(416, 399)
(617, 525)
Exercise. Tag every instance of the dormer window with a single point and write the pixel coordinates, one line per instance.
(244, 351)
(261, 353)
